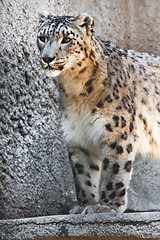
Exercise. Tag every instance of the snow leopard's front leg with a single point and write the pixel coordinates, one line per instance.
(117, 159)
(86, 171)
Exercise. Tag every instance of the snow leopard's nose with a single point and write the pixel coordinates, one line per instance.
(48, 59)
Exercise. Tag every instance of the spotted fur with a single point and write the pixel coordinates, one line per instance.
(111, 107)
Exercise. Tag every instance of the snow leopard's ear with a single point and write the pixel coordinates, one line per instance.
(84, 20)
(43, 16)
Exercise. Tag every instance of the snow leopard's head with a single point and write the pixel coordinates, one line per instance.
(64, 41)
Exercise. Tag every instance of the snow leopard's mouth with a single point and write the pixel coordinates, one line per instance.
(50, 68)
(53, 71)
(53, 67)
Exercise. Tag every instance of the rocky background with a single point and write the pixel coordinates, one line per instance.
(35, 175)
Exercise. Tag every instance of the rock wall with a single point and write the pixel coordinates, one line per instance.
(35, 176)
(101, 226)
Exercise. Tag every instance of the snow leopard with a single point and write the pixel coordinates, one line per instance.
(110, 100)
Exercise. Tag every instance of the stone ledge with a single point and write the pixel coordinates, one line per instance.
(106, 226)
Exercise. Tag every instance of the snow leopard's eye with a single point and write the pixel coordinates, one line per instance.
(42, 39)
(66, 40)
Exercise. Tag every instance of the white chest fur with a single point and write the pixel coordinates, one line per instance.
(83, 129)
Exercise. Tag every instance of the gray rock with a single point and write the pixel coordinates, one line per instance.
(35, 175)
(144, 190)
(34, 166)
(134, 226)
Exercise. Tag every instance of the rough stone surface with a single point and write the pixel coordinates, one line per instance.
(132, 24)
(144, 190)
(35, 176)
(34, 162)
(144, 225)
